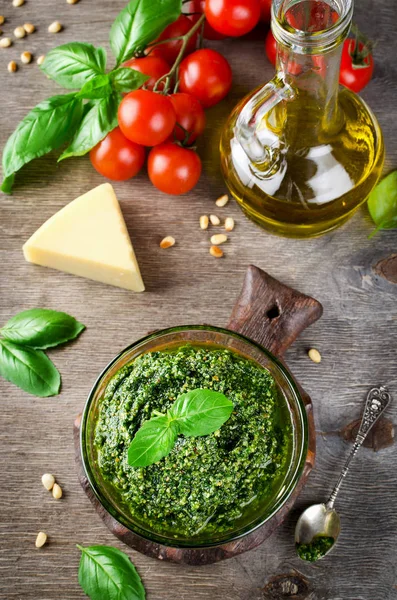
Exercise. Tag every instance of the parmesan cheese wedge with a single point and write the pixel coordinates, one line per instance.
(89, 238)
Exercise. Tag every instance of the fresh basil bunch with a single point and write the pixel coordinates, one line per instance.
(84, 117)
(23, 339)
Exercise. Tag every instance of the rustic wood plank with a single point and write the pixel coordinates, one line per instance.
(356, 336)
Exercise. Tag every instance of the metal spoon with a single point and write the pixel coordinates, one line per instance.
(322, 520)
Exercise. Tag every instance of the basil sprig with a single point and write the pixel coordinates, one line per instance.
(23, 337)
(193, 414)
(84, 117)
(106, 572)
(382, 203)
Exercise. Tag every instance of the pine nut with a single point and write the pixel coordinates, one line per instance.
(167, 242)
(218, 238)
(314, 355)
(19, 32)
(222, 200)
(55, 27)
(215, 220)
(48, 481)
(204, 222)
(17, 3)
(216, 251)
(41, 539)
(72, 1)
(29, 28)
(5, 42)
(57, 491)
(26, 57)
(12, 66)
(2, 19)
(40, 60)
(229, 224)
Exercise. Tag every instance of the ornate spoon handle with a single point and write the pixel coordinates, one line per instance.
(377, 402)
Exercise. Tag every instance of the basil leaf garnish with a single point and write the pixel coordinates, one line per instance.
(72, 65)
(140, 23)
(126, 79)
(98, 121)
(106, 572)
(201, 412)
(41, 328)
(98, 87)
(154, 440)
(382, 203)
(49, 125)
(196, 413)
(29, 369)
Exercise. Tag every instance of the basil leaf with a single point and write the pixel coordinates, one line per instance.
(99, 120)
(49, 125)
(71, 65)
(382, 203)
(41, 328)
(106, 572)
(154, 440)
(140, 23)
(201, 412)
(125, 79)
(98, 87)
(29, 369)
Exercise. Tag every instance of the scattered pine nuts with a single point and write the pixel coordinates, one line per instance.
(167, 242)
(12, 66)
(26, 57)
(57, 491)
(222, 200)
(314, 355)
(218, 238)
(5, 42)
(215, 220)
(29, 28)
(40, 60)
(229, 224)
(216, 251)
(17, 3)
(204, 221)
(72, 1)
(19, 32)
(41, 539)
(48, 481)
(2, 19)
(55, 27)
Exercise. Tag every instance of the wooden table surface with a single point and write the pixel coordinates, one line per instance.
(356, 336)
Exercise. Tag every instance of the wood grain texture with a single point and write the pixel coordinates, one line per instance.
(356, 337)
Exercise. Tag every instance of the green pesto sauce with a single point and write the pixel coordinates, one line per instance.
(317, 548)
(206, 484)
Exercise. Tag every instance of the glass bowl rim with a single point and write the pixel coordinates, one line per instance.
(294, 477)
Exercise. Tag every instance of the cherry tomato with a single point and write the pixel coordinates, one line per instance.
(207, 75)
(266, 6)
(116, 157)
(293, 67)
(154, 66)
(232, 17)
(357, 65)
(170, 50)
(271, 47)
(190, 117)
(173, 169)
(146, 118)
(197, 6)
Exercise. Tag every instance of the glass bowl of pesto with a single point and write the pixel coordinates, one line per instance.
(208, 490)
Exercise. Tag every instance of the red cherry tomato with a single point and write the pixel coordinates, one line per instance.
(357, 65)
(207, 75)
(146, 118)
(173, 169)
(117, 158)
(170, 50)
(190, 117)
(154, 66)
(266, 6)
(271, 47)
(197, 6)
(232, 17)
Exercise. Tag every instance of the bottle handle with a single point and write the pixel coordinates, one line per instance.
(250, 118)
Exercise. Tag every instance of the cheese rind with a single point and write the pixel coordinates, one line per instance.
(88, 238)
